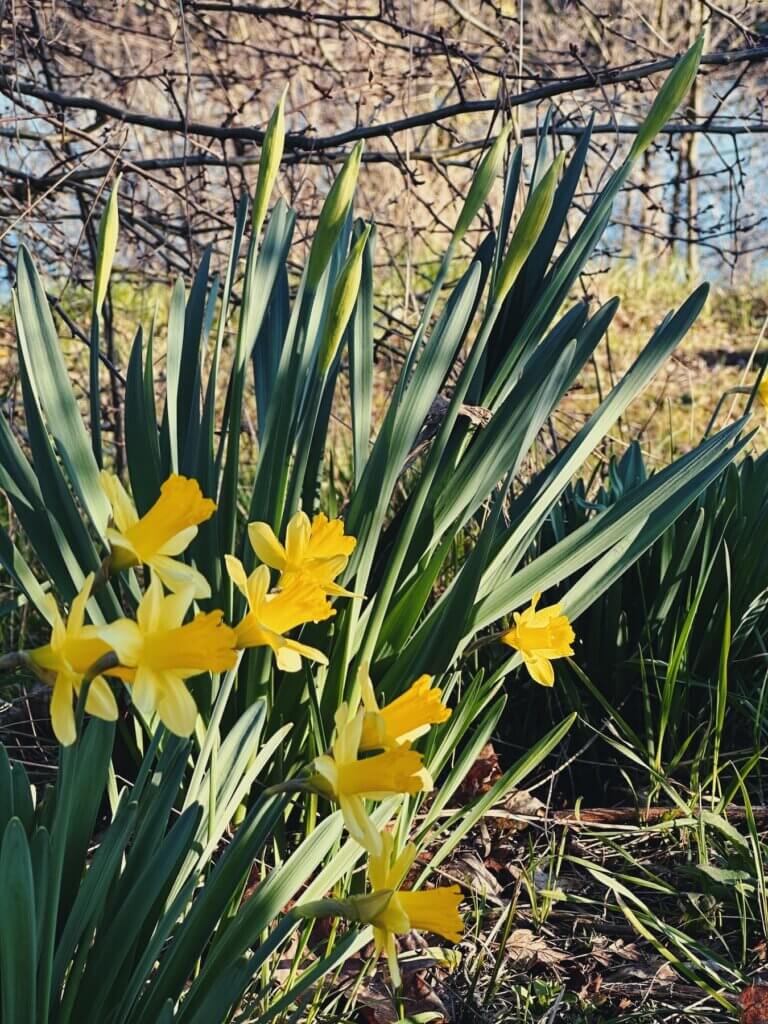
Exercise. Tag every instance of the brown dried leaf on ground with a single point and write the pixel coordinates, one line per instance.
(483, 774)
(525, 949)
(754, 1005)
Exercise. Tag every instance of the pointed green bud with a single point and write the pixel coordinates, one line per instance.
(669, 97)
(269, 164)
(481, 183)
(335, 209)
(342, 301)
(528, 228)
(106, 248)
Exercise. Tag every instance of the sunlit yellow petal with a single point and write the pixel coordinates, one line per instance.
(176, 706)
(62, 712)
(100, 701)
(297, 536)
(124, 637)
(267, 547)
(177, 576)
(358, 824)
(77, 608)
(541, 670)
(237, 573)
(288, 660)
(123, 510)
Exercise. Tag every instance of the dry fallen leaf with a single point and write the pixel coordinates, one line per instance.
(482, 775)
(524, 947)
(754, 1005)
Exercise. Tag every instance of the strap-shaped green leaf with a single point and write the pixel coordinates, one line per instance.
(48, 377)
(18, 941)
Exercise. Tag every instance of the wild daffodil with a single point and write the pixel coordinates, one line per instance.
(762, 392)
(541, 635)
(347, 779)
(270, 616)
(161, 534)
(404, 719)
(159, 651)
(318, 550)
(73, 649)
(428, 910)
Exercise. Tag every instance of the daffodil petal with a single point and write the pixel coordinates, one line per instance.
(62, 713)
(76, 616)
(124, 637)
(179, 542)
(265, 544)
(237, 573)
(359, 825)
(123, 510)
(288, 660)
(176, 706)
(100, 701)
(540, 669)
(178, 576)
(144, 690)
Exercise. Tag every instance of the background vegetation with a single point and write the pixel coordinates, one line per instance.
(626, 880)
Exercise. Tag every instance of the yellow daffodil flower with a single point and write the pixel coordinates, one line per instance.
(159, 651)
(73, 649)
(428, 910)
(318, 550)
(270, 616)
(347, 779)
(762, 392)
(162, 533)
(404, 719)
(541, 636)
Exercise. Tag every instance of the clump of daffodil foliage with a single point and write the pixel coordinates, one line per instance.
(371, 756)
(274, 668)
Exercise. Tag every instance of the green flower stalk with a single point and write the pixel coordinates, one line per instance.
(528, 228)
(269, 165)
(343, 301)
(669, 97)
(332, 216)
(481, 183)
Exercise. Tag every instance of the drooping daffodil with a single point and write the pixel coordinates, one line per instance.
(348, 779)
(318, 550)
(73, 649)
(157, 538)
(427, 910)
(404, 719)
(271, 616)
(159, 651)
(393, 910)
(541, 635)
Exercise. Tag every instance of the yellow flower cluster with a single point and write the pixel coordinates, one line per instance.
(165, 645)
(371, 758)
(167, 642)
